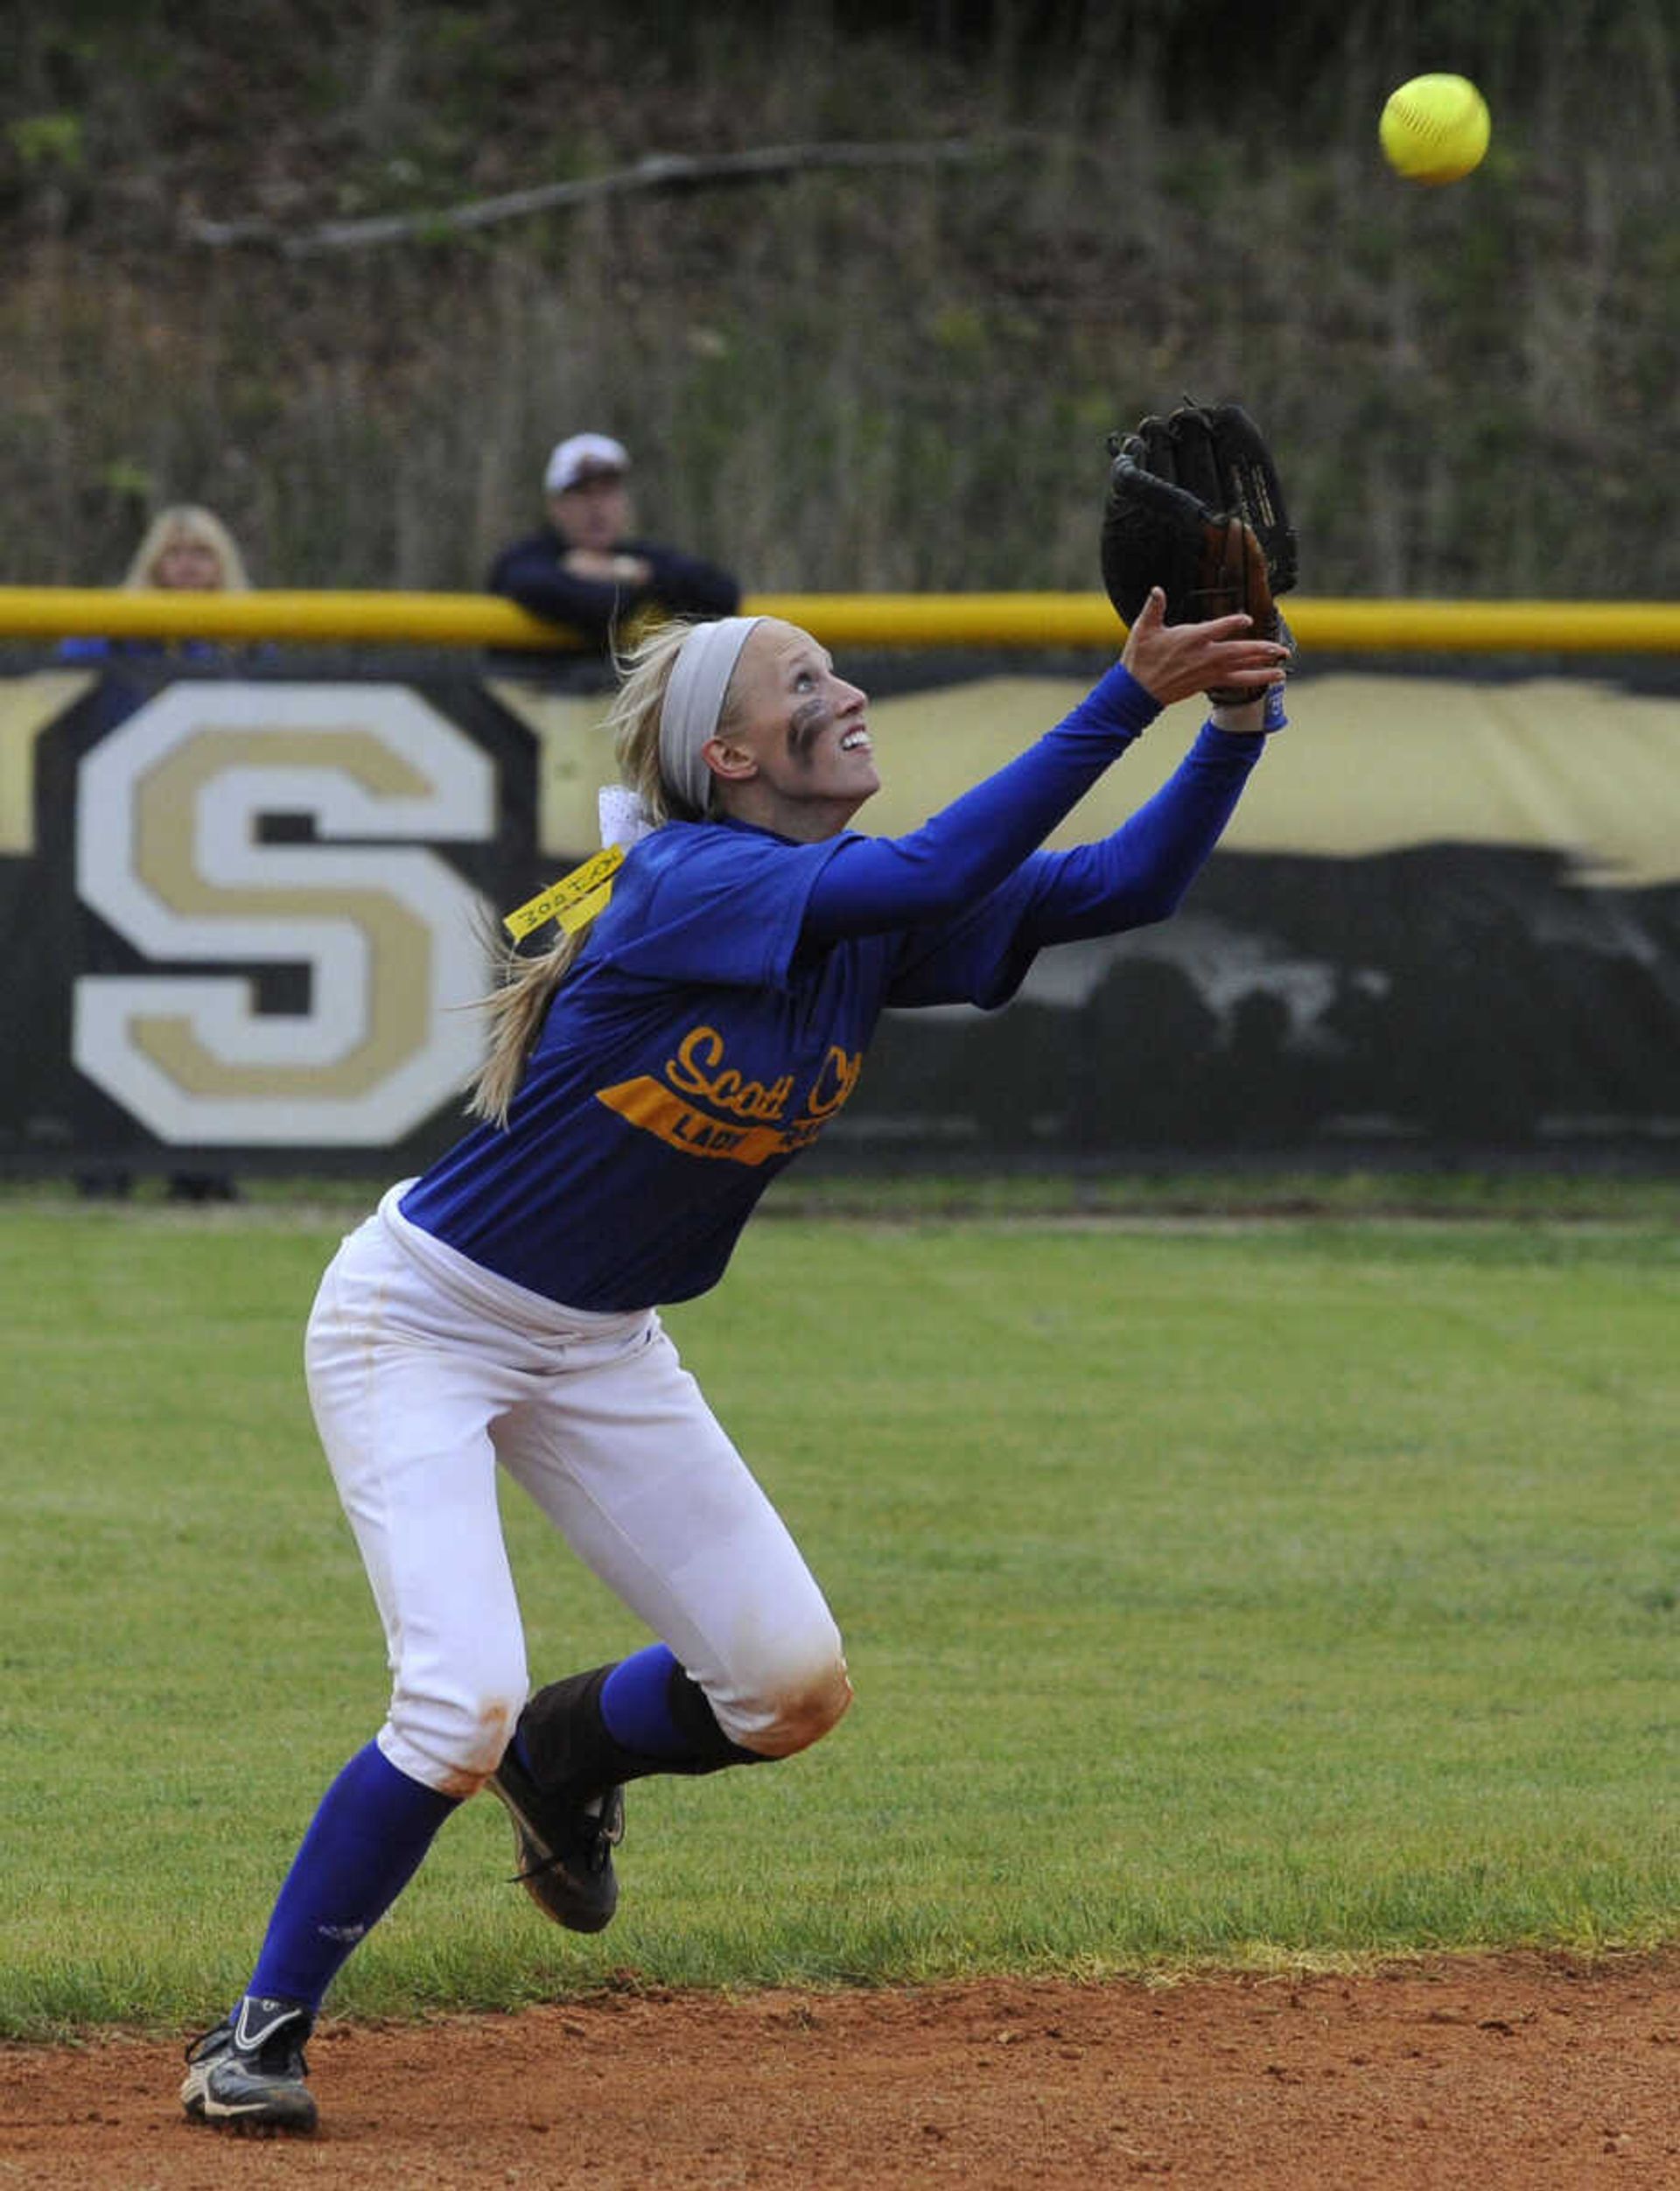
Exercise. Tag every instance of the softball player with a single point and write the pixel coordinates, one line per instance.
(647, 1078)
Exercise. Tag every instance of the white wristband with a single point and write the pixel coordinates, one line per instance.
(1251, 717)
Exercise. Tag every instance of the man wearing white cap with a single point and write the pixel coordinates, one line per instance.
(586, 570)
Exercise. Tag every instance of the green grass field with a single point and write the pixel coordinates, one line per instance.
(1216, 1594)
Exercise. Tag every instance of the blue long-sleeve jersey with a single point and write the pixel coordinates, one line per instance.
(718, 1018)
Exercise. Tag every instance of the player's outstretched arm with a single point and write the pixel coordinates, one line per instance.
(874, 884)
(1141, 872)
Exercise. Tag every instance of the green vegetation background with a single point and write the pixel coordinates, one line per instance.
(890, 377)
(1249, 1594)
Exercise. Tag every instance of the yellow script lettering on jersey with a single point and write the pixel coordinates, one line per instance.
(696, 1069)
(835, 1082)
(703, 1048)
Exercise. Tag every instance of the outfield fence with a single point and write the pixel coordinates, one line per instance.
(249, 845)
(986, 621)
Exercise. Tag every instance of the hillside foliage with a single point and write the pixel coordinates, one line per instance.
(889, 376)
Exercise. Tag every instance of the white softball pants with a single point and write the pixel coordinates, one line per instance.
(425, 1371)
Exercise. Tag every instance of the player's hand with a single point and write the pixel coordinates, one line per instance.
(1173, 660)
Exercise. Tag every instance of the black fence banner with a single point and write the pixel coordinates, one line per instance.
(247, 913)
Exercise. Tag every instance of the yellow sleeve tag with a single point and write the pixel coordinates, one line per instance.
(574, 900)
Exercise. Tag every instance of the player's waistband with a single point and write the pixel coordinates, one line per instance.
(489, 1294)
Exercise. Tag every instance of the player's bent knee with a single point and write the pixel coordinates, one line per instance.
(454, 1744)
(802, 1713)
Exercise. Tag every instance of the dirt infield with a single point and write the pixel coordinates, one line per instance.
(1520, 2071)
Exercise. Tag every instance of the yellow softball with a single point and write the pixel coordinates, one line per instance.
(1435, 129)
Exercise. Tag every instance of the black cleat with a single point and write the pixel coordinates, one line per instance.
(563, 1847)
(247, 2075)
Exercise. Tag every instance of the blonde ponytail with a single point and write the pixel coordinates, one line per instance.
(519, 1004)
(515, 1010)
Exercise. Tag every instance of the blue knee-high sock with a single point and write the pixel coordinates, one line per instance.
(621, 1723)
(363, 1846)
(636, 1704)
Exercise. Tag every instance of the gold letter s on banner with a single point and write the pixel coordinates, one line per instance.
(168, 852)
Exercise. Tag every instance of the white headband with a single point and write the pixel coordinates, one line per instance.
(693, 701)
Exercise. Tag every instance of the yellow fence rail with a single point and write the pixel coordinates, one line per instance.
(1005, 621)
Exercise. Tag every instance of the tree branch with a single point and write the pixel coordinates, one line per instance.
(658, 172)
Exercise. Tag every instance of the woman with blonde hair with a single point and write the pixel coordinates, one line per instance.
(186, 548)
(647, 1077)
